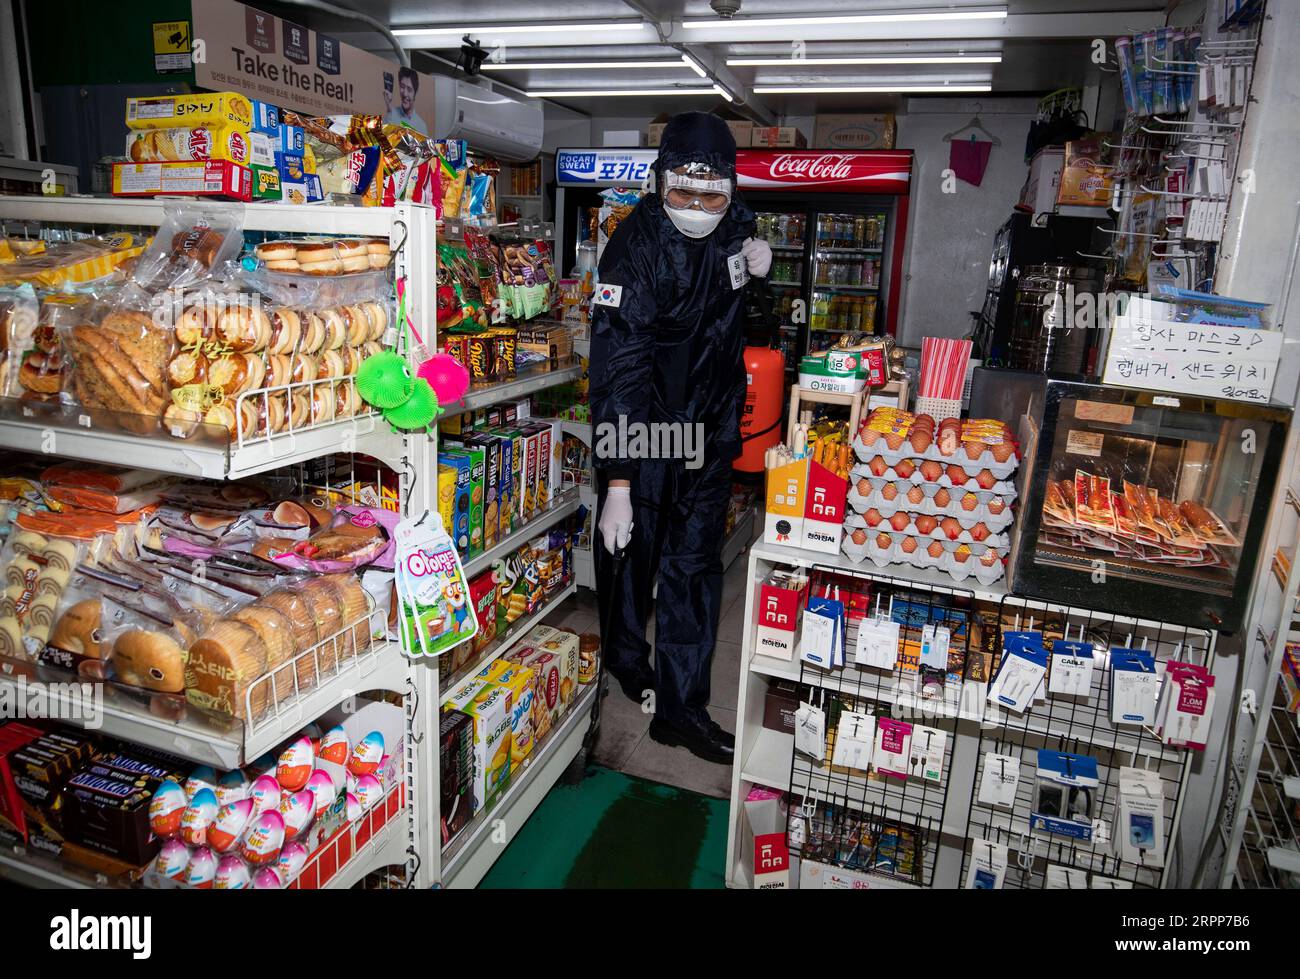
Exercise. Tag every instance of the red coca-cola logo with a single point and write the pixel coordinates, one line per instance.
(200, 144)
(832, 166)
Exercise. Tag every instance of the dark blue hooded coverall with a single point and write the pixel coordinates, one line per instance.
(671, 351)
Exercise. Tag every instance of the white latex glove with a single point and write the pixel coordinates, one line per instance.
(616, 518)
(758, 257)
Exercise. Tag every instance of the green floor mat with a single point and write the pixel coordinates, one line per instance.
(617, 831)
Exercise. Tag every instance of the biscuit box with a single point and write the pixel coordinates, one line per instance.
(204, 109)
(546, 670)
(491, 485)
(565, 646)
(515, 483)
(505, 481)
(519, 681)
(488, 706)
(456, 772)
(447, 497)
(201, 143)
(483, 597)
(459, 527)
(477, 493)
(199, 178)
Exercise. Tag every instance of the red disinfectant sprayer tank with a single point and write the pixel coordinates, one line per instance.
(760, 422)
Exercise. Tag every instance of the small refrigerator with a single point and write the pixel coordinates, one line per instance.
(1139, 502)
(580, 177)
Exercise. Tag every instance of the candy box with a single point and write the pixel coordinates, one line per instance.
(483, 597)
(489, 707)
(459, 527)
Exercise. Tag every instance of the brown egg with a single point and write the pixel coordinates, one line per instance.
(864, 486)
(925, 523)
(1003, 450)
(868, 436)
(878, 465)
(974, 450)
(909, 545)
(989, 558)
(894, 440)
(985, 479)
(931, 471)
(950, 527)
(942, 498)
(904, 468)
(935, 549)
(900, 521)
(859, 536)
(969, 501)
(996, 504)
(889, 491)
(957, 475)
(924, 421)
(979, 531)
(920, 439)
(884, 541)
(962, 553)
(873, 517)
(915, 495)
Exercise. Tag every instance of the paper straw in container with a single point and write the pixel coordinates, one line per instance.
(943, 367)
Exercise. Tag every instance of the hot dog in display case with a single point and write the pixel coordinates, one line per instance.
(1137, 501)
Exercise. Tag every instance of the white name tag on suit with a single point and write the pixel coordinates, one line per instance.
(738, 268)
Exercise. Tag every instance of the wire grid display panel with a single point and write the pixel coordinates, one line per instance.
(1082, 726)
(881, 824)
(1273, 819)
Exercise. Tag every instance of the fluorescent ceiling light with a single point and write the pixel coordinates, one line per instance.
(907, 59)
(694, 65)
(723, 92)
(901, 17)
(815, 89)
(488, 30)
(579, 65)
(596, 92)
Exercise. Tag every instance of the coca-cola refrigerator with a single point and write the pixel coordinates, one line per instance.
(836, 221)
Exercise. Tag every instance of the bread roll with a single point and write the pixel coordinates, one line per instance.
(223, 665)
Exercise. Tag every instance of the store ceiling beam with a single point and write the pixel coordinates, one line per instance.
(740, 30)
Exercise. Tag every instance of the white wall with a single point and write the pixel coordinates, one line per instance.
(951, 235)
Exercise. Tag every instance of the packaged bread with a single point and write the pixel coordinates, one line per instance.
(223, 667)
(19, 311)
(194, 241)
(120, 369)
(277, 636)
(302, 626)
(326, 607)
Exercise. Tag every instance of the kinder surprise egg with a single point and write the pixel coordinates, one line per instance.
(198, 817)
(173, 857)
(265, 836)
(354, 807)
(369, 791)
(366, 755)
(295, 765)
(202, 869)
(292, 857)
(232, 874)
(229, 826)
(334, 746)
(165, 810)
(231, 787)
(297, 810)
(267, 879)
(321, 786)
(265, 794)
(203, 777)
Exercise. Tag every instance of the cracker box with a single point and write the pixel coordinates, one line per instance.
(199, 178)
(477, 457)
(265, 118)
(483, 597)
(519, 680)
(491, 485)
(546, 462)
(488, 706)
(823, 515)
(203, 109)
(266, 183)
(532, 466)
(459, 526)
(505, 481)
(565, 646)
(200, 143)
(546, 676)
(783, 519)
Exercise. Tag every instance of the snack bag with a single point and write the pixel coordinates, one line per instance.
(435, 612)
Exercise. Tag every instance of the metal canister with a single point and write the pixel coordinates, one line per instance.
(1047, 334)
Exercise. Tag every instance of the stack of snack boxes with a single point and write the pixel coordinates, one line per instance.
(220, 144)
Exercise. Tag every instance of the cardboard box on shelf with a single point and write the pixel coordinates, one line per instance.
(199, 143)
(200, 178)
(854, 131)
(1085, 179)
(488, 706)
(519, 681)
(783, 515)
(764, 852)
(202, 109)
(777, 137)
(1038, 196)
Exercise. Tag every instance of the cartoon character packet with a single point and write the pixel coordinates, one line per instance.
(436, 614)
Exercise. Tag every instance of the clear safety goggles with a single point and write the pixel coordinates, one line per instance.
(701, 189)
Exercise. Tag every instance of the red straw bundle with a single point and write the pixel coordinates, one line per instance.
(943, 367)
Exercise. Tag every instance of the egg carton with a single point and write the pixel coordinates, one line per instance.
(920, 558)
(967, 518)
(985, 459)
(855, 521)
(1003, 488)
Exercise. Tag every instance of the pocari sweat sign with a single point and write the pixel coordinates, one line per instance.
(603, 167)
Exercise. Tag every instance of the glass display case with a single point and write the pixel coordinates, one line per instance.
(1138, 502)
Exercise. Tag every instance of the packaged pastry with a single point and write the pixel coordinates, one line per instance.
(325, 604)
(223, 667)
(37, 368)
(37, 568)
(146, 648)
(195, 240)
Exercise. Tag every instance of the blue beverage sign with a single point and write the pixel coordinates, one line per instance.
(611, 168)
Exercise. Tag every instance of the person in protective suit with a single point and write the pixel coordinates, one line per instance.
(667, 343)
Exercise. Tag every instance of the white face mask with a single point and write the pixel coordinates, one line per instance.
(695, 206)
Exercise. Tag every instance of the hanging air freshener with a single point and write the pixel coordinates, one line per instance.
(435, 613)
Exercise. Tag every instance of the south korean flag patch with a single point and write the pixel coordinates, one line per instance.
(608, 295)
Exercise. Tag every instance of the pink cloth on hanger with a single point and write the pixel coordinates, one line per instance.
(968, 159)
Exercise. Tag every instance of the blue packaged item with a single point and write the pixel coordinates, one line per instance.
(266, 118)
(1065, 799)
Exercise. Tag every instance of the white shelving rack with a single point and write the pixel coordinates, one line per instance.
(411, 836)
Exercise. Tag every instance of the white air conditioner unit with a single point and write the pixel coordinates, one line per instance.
(493, 123)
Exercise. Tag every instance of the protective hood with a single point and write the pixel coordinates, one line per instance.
(701, 142)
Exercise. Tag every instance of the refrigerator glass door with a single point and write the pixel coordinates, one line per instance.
(848, 253)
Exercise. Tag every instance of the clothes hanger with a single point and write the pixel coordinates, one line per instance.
(976, 124)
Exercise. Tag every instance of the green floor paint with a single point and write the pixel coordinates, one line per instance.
(614, 831)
